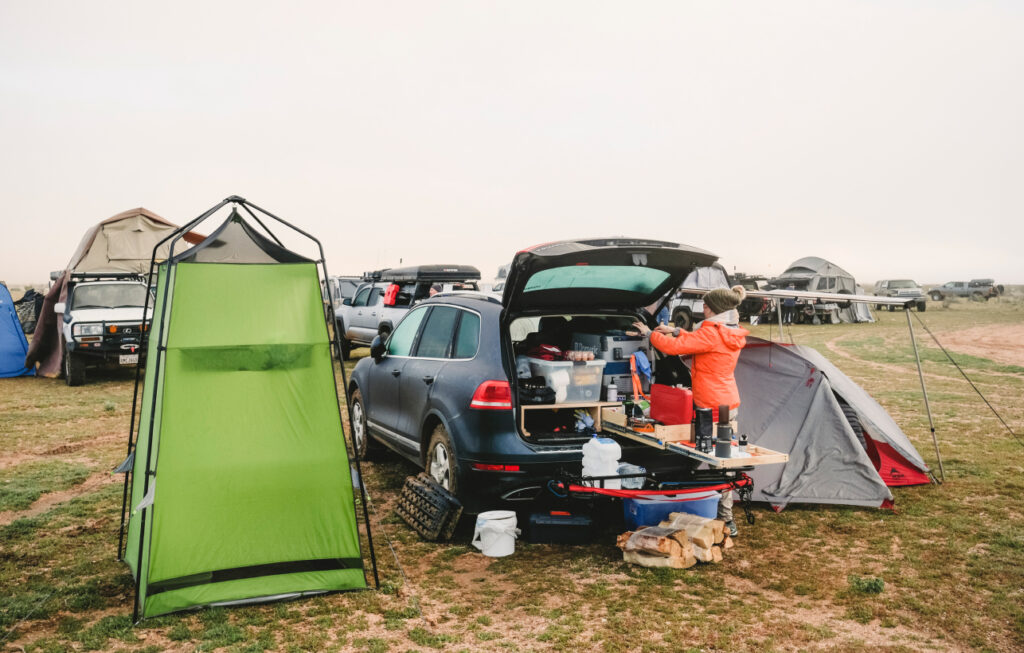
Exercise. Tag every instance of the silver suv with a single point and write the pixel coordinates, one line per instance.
(902, 289)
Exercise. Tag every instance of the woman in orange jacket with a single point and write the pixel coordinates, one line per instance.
(715, 348)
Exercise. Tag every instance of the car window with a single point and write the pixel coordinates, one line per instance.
(612, 277)
(404, 335)
(360, 299)
(437, 333)
(468, 336)
(374, 296)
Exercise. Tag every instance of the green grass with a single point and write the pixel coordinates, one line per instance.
(23, 484)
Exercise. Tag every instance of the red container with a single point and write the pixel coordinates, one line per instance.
(671, 405)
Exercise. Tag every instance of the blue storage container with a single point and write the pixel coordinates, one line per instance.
(649, 510)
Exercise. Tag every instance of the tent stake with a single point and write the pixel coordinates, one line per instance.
(924, 391)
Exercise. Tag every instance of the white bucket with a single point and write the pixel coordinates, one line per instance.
(496, 533)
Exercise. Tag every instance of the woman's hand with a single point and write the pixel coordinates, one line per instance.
(642, 328)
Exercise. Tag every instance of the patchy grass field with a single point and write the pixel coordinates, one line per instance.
(943, 571)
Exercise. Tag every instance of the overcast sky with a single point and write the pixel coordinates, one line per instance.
(884, 136)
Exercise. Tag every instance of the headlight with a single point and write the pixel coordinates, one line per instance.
(88, 330)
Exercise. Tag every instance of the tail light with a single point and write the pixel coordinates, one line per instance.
(492, 395)
(486, 467)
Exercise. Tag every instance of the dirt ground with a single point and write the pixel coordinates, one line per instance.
(1001, 343)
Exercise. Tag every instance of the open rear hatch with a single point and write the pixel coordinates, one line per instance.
(582, 296)
(597, 274)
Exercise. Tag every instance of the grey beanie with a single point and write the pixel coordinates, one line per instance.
(721, 300)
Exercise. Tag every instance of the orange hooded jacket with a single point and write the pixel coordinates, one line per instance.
(715, 348)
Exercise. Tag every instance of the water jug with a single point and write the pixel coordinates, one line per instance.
(601, 458)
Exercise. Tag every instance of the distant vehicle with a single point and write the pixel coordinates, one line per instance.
(103, 322)
(343, 288)
(755, 307)
(387, 295)
(687, 311)
(901, 288)
(976, 289)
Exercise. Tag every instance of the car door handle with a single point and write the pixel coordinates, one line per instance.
(396, 372)
(428, 380)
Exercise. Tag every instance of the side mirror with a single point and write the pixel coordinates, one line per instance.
(377, 349)
(59, 307)
(347, 301)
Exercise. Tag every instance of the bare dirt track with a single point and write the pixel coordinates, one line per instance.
(1002, 343)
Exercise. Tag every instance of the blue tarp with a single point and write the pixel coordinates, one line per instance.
(13, 345)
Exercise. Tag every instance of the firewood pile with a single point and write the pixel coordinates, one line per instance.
(679, 542)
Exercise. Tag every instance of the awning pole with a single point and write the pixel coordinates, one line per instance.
(778, 308)
(924, 391)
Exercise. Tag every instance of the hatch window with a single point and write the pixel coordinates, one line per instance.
(612, 277)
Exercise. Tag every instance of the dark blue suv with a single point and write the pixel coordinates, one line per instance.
(442, 391)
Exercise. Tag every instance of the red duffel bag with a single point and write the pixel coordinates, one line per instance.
(671, 405)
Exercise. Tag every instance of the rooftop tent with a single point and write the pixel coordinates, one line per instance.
(815, 274)
(708, 278)
(241, 489)
(13, 345)
(122, 244)
(843, 447)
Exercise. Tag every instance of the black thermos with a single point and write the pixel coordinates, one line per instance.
(705, 424)
(723, 448)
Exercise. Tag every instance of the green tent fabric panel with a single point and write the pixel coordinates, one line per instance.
(253, 468)
(252, 304)
(173, 601)
(150, 386)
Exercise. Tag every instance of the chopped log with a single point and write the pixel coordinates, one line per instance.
(703, 554)
(700, 530)
(727, 543)
(638, 558)
(658, 541)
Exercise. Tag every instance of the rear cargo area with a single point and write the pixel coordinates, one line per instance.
(565, 365)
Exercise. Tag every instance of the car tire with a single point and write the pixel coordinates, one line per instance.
(74, 369)
(922, 306)
(442, 463)
(345, 347)
(362, 443)
(936, 296)
(978, 297)
(879, 307)
(683, 320)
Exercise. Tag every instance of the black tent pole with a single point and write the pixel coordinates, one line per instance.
(924, 391)
(143, 340)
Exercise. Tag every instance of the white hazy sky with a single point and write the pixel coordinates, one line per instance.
(886, 136)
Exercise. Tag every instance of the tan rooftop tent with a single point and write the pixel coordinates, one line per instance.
(122, 244)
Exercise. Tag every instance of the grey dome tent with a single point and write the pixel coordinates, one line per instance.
(815, 274)
(240, 483)
(843, 447)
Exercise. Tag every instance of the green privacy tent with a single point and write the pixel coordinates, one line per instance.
(240, 485)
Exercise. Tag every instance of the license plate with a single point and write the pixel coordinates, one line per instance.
(128, 359)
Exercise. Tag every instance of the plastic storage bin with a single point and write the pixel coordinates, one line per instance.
(557, 375)
(586, 381)
(649, 510)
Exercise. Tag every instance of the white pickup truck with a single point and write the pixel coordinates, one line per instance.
(103, 322)
(387, 295)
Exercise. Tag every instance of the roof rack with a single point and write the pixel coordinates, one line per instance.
(474, 294)
(106, 276)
